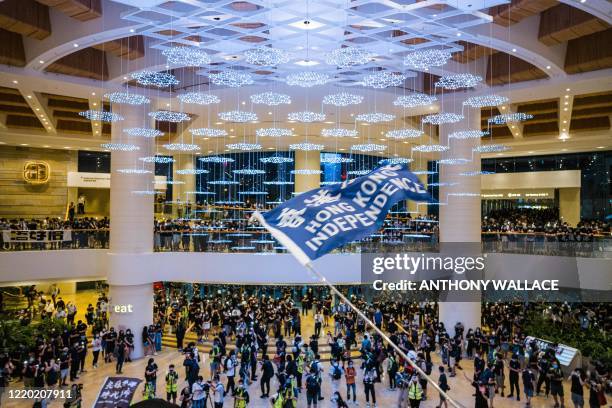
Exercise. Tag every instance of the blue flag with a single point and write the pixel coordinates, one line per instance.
(318, 221)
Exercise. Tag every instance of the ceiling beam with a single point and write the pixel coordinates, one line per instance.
(566, 105)
(589, 53)
(82, 10)
(26, 17)
(39, 106)
(563, 23)
(95, 104)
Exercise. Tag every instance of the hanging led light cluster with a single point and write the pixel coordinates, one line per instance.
(271, 99)
(381, 80)
(249, 172)
(468, 134)
(278, 183)
(102, 116)
(152, 78)
(458, 81)
(127, 98)
(306, 116)
(404, 134)
(133, 171)
(342, 99)
(424, 172)
(328, 183)
(276, 159)
(244, 146)
(199, 98)
(361, 172)
(157, 159)
(442, 118)
(192, 171)
(201, 192)
(208, 132)
(306, 172)
(168, 182)
(144, 192)
(307, 79)
(430, 148)
(266, 56)
(396, 160)
(216, 159)
(186, 56)
(120, 147)
(510, 118)
(143, 132)
(369, 147)
(273, 132)
(466, 194)
(337, 160)
(485, 101)
(415, 99)
(223, 182)
(375, 117)
(181, 147)
(339, 132)
(490, 148)
(442, 184)
(476, 173)
(231, 78)
(454, 161)
(305, 146)
(423, 60)
(169, 116)
(238, 116)
(348, 57)
(253, 193)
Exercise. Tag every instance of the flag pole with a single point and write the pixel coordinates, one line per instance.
(322, 278)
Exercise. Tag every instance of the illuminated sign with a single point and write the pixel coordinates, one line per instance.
(123, 308)
(36, 172)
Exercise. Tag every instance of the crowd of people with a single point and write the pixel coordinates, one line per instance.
(255, 335)
(521, 229)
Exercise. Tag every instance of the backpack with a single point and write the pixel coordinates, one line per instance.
(226, 364)
(311, 383)
(428, 367)
(337, 373)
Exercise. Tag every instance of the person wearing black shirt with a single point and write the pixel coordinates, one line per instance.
(556, 383)
(577, 389)
(151, 375)
(111, 338)
(528, 384)
(514, 367)
(64, 365)
(543, 377)
(75, 360)
(443, 384)
(500, 377)
(267, 372)
(479, 365)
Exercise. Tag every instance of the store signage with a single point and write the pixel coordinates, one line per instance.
(123, 308)
(102, 180)
(36, 172)
(36, 236)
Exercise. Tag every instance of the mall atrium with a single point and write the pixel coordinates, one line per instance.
(139, 137)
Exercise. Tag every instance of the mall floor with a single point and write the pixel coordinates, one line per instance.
(92, 380)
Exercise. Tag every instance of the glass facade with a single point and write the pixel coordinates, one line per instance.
(94, 162)
(595, 173)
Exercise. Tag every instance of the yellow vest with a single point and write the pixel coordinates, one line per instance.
(300, 364)
(171, 382)
(278, 402)
(415, 392)
(240, 403)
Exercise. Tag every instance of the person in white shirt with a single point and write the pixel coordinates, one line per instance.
(198, 395)
(219, 392)
(96, 346)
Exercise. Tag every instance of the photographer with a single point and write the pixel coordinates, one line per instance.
(76, 397)
(241, 399)
(171, 384)
(199, 392)
(219, 392)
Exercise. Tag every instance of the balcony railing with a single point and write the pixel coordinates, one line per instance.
(257, 240)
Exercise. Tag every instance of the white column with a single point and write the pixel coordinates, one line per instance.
(460, 218)
(307, 161)
(131, 223)
(179, 191)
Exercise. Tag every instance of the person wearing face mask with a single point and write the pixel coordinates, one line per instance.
(556, 383)
(129, 342)
(349, 375)
(415, 392)
(241, 399)
(96, 346)
(171, 384)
